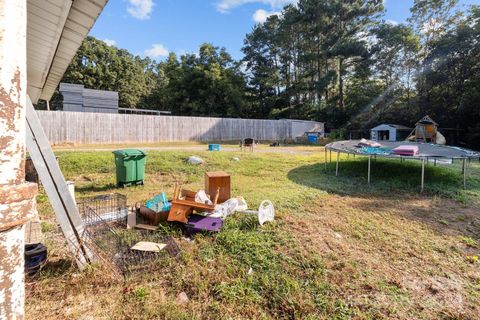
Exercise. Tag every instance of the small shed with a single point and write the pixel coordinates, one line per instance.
(389, 132)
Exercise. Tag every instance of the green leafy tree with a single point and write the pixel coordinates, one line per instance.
(307, 56)
(432, 18)
(450, 88)
(209, 83)
(394, 63)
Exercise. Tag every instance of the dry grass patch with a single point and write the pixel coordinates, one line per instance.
(393, 256)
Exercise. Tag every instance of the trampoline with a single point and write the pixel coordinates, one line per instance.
(424, 152)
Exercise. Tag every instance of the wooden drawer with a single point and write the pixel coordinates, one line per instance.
(215, 180)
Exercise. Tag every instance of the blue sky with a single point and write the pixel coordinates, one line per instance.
(155, 27)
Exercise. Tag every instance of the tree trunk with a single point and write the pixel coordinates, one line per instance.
(341, 102)
(327, 95)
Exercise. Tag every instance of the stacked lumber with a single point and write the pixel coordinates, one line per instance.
(100, 101)
(72, 97)
(78, 99)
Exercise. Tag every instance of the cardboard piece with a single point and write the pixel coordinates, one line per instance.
(145, 227)
(149, 246)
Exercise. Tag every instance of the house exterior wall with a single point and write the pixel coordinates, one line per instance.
(17, 204)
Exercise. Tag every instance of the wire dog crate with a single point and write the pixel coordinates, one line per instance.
(110, 242)
(103, 208)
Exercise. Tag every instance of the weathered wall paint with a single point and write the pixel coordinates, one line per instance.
(13, 98)
(17, 203)
(12, 291)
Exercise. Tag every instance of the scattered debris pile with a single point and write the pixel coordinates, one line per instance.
(113, 236)
(125, 251)
(203, 210)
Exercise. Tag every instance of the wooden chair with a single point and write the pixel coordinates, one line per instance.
(183, 205)
(247, 143)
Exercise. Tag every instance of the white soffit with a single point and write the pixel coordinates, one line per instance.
(55, 31)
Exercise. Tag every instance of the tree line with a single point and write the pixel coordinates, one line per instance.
(335, 61)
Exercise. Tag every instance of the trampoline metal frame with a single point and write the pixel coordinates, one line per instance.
(423, 159)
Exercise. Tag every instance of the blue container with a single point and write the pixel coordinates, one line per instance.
(313, 138)
(213, 147)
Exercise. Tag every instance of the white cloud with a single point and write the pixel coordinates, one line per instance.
(110, 42)
(260, 16)
(370, 40)
(225, 6)
(392, 22)
(430, 26)
(156, 51)
(140, 9)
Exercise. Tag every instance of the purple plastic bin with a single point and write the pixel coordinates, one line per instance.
(198, 223)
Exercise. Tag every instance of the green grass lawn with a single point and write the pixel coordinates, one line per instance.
(339, 248)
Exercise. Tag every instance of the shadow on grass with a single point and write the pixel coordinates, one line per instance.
(111, 187)
(54, 269)
(393, 182)
(388, 177)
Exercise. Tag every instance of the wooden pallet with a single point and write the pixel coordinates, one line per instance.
(56, 187)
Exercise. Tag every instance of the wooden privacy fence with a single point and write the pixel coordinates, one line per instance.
(103, 128)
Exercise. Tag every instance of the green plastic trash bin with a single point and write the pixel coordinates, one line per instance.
(130, 165)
